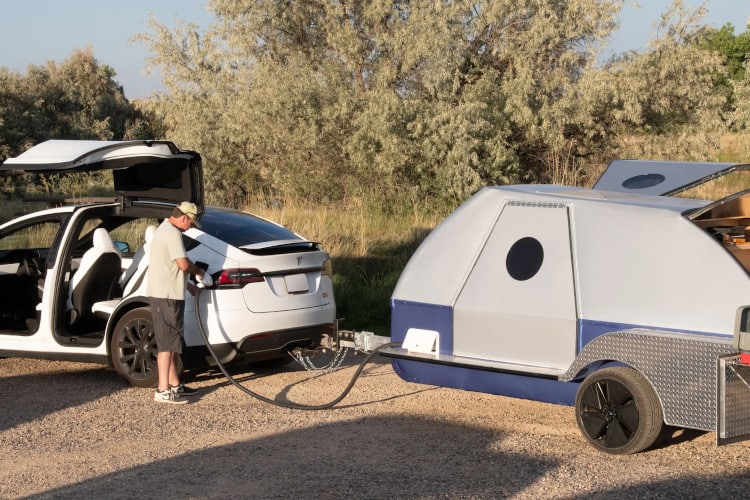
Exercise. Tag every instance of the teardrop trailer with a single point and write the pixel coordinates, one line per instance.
(619, 300)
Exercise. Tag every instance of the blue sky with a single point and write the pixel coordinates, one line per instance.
(35, 31)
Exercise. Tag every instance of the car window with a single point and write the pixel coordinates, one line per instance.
(240, 228)
(39, 235)
(88, 227)
(133, 232)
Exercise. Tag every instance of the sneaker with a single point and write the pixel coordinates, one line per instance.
(183, 390)
(168, 396)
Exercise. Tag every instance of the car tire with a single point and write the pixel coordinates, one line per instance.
(618, 411)
(133, 349)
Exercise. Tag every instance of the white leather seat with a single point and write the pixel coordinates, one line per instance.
(134, 276)
(96, 278)
(133, 279)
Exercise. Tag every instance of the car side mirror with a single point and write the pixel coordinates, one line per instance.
(122, 246)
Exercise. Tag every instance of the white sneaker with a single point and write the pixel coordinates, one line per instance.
(168, 396)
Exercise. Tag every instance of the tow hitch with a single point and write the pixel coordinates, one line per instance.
(335, 348)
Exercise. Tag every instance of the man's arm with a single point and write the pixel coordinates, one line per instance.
(189, 267)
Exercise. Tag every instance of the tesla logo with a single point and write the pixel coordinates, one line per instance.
(299, 260)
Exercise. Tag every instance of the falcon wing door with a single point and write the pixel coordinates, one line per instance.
(143, 171)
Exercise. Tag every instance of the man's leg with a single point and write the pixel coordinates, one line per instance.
(174, 377)
(164, 367)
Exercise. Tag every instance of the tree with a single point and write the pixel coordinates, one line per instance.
(76, 99)
(663, 103)
(413, 99)
(734, 50)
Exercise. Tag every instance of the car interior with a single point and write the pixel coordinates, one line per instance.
(98, 266)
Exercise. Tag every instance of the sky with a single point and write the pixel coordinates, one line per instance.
(36, 31)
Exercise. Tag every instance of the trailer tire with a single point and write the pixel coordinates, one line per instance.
(618, 411)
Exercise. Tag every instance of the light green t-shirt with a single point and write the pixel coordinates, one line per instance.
(165, 279)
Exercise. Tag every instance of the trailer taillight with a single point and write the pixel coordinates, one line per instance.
(237, 278)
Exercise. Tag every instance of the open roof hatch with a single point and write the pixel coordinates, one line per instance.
(661, 178)
(142, 170)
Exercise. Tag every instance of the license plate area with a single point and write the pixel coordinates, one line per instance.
(296, 283)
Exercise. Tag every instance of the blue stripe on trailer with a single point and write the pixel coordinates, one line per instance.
(491, 382)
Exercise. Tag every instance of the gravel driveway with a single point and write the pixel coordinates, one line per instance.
(73, 430)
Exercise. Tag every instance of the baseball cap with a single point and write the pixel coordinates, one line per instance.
(188, 208)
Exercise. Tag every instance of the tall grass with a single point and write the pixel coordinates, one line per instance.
(369, 245)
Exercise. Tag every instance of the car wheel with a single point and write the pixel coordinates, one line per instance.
(133, 348)
(618, 411)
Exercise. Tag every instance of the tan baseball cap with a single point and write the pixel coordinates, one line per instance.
(188, 208)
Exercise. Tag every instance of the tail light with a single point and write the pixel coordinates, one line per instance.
(327, 269)
(237, 278)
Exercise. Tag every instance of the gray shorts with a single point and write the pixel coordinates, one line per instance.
(169, 323)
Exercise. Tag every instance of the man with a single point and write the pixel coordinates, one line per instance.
(167, 278)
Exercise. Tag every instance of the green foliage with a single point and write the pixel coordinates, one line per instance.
(325, 100)
(662, 103)
(77, 99)
(734, 49)
(328, 101)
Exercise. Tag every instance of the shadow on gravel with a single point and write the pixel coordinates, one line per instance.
(30, 394)
(373, 457)
(242, 376)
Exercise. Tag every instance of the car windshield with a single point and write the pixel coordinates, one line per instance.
(240, 228)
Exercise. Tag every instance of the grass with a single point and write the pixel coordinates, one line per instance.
(369, 247)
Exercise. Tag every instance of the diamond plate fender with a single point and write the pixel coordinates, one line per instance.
(681, 367)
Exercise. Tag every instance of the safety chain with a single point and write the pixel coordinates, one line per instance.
(308, 365)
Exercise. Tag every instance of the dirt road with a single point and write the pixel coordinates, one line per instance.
(72, 430)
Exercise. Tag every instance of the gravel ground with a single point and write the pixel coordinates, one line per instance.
(71, 430)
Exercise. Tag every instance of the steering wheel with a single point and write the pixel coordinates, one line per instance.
(30, 266)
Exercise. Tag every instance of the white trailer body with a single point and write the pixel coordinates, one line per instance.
(527, 290)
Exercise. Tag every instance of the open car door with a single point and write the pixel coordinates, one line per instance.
(143, 171)
(661, 178)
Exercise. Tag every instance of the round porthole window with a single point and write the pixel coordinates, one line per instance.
(524, 258)
(643, 181)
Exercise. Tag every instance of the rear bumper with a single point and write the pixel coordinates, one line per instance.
(258, 347)
(285, 340)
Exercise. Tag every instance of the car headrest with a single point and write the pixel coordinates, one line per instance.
(149, 235)
(102, 240)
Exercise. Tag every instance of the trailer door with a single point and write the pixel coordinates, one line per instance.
(518, 301)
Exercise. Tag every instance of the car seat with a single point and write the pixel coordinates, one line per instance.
(135, 275)
(96, 278)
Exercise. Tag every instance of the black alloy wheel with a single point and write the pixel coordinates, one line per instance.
(618, 411)
(133, 348)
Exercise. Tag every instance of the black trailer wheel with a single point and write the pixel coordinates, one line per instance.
(133, 348)
(618, 411)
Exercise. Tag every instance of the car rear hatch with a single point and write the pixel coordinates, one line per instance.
(291, 277)
(276, 269)
(143, 171)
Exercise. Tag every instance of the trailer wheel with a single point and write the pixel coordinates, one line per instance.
(618, 411)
